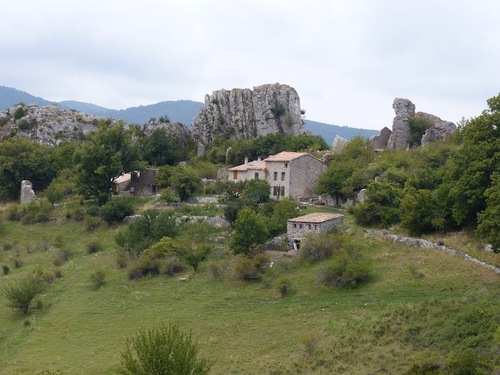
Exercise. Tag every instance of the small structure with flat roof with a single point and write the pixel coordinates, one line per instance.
(299, 227)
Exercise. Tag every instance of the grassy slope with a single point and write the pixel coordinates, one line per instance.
(245, 327)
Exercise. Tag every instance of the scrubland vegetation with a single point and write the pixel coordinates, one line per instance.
(81, 292)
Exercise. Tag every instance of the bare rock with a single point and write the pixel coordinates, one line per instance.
(27, 193)
(440, 131)
(245, 113)
(380, 141)
(404, 110)
(338, 144)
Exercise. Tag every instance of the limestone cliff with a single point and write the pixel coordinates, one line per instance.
(245, 113)
(47, 125)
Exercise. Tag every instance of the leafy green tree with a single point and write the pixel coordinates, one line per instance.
(488, 220)
(163, 351)
(21, 293)
(470, 168)
(419, 210)
(256, 191)
(250, 229)
(162, 148)
(115, 210)
(282, 211)
(21, 159)
(185, 182)
(106, 154)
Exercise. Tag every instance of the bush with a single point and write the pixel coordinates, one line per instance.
(61, 257)
(97, 278)
(162, 351)
(320, 246)
(93, 247)
(345, 269)
(115, 210)
(170, 266)
(5, 269)
(248, 269)
(283, 285)
(21, 293)
(35, 212)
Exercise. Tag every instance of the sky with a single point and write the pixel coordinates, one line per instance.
(347, 59)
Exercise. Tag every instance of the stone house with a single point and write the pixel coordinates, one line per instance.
(299, 227)
(137, 183)
(291, 174)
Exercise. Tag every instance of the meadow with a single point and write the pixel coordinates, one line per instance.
(418, 306)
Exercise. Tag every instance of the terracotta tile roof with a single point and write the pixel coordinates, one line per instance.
(252, 165)
(316, 217)
(286, 156)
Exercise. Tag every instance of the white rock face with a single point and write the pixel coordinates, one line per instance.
(27, 193)
(245, 113)
(380, 141)
(338, 144)
(440, 131)
(49, 125)
(404, 110)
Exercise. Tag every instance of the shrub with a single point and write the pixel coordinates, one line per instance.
(161, 351)
(61, 257)
(21, 293)
(35, 212)
(115, 210)
(216, 270)
(283, 285)
(12, 213)
(93, 247)
(5, 269)
(345, 269)
(97, 278)
(170, 266)
(248, 269)
(319, 246)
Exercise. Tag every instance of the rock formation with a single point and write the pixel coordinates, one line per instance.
(48, 125)
(245, 113)
(338, 144)
(176, 129)
(27, 193)
(380, 141)
(405, 112)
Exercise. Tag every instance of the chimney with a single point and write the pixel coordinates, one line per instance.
(246, 159)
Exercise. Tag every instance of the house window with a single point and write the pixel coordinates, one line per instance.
(295, 225)
(300, 226)
(275, 176)
(282, 192)
(282, 176)
(286, 165)
(256, 175)
(309, 226)
(276, 190)
(235, 175)
(315, 227)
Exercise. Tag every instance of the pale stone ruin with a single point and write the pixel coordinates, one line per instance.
(27, 193)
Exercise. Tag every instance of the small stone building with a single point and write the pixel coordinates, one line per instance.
(137, 183)
(299, 227)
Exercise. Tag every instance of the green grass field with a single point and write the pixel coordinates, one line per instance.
(381, 327)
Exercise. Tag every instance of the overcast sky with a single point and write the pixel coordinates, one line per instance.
(347, 59)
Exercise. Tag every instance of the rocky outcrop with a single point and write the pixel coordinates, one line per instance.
(48, 125)
(433, 128)
(176, 129)
(27, 193)
(338, 144)
(380, 141)
(404, 110)
(245, 113)
(440, 131)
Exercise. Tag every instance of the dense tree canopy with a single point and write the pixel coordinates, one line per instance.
(103, 157)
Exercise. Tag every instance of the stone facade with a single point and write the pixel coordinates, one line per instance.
(291, 174)
(144, 182)
(299, 227)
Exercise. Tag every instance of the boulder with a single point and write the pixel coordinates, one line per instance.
(338, 144)
(380, 141)
(440, 131)
(27, 193)
(404, 110)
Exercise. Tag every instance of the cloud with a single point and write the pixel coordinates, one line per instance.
(347, 60)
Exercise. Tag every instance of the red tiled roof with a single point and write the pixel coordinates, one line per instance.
(316, 217)
(252, 165)
(286, 156)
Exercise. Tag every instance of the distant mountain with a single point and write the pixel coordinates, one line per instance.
(328, 132)
(182, 111)
(10, 97)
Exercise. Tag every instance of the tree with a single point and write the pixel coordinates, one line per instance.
(20, 293)
(22, 159)
(250, 229)
(418, 211)
(256, 191)
(162, 148)
(185, 182)
(106, 154)
(488, 227)
(470, 168)
(163, 351)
